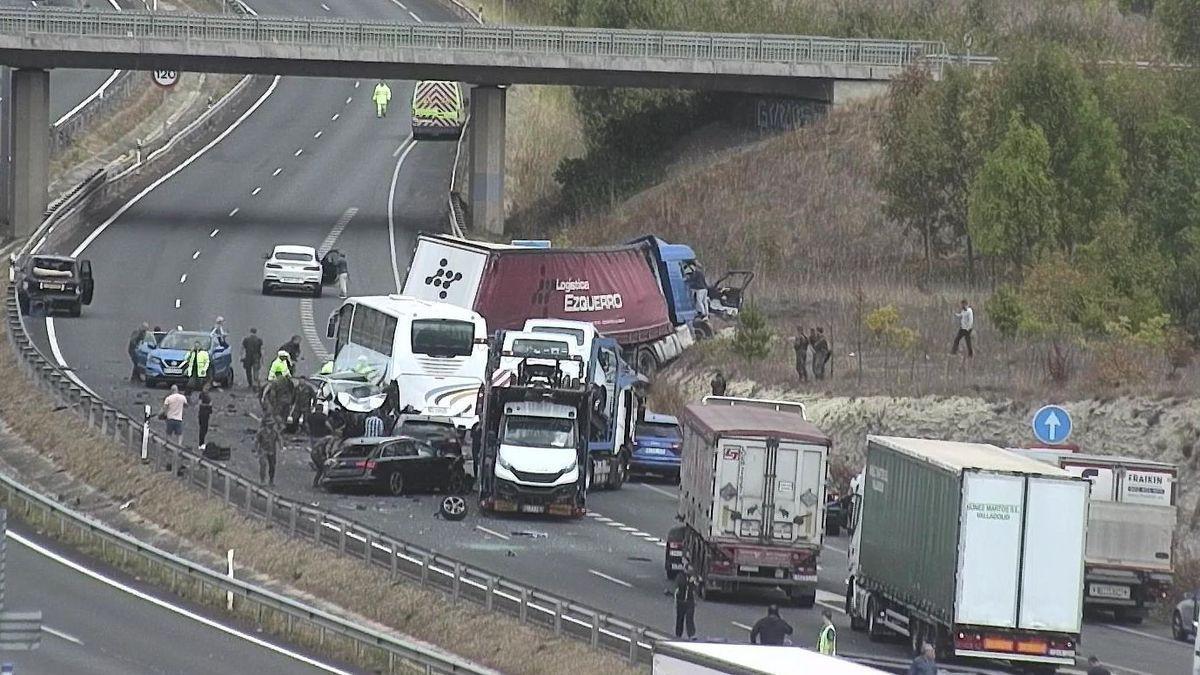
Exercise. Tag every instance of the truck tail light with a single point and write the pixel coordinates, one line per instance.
(722, 560)
(804, 561)
(968, 641)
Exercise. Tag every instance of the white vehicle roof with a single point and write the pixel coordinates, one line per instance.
(406, 306)
(584, 326)
(743, 658)
(539, 409)
(660, 418)
(957, 456)
(295, 248)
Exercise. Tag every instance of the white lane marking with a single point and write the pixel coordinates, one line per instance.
(665, 493)
(255, 191)
(1144, 634)
(318, 134)
(325, 7)
(173, 172)
(835, 608)
(99, 93)
(308, 323)
(177, 303)
(492, 532)
(400, 148)
(61, 635)
(613, 523)
(626, 528)
(392, 211)
(335, 117)
(835, 549)
(234, 212)
(278, 170)
(738, 624)
(196, 254)
(356, 83)
(214, 233)
(639, 533)
(52, 336)
(171, 607)
(415, 17)
(298, 152)
(831, 601)
(615, 580)
(183, 278)
(600, 518)
(348, 99)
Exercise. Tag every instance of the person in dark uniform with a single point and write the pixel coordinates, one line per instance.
(718, 384)
(821, 353)
(135, 340)
(800, 347)
(770, 630)
(252, 358)
(686, 587)
(204, 413)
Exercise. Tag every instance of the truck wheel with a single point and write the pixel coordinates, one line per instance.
(645, 363)
(856, 624)
(875, 632)
(620, 471)
(671, 574)
(1177, 630)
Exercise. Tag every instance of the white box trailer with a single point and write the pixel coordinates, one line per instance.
(1131, 529)
(752, 487)
(969, 547)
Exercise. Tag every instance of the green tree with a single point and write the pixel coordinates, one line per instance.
(1180, 20)
(1169, 200)
(1133, 267)
(753, 339)
(1012, 202)
(1183, 295)
(1004, 311)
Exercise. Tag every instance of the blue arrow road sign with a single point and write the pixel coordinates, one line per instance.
(1052, 424)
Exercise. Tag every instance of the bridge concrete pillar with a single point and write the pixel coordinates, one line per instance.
(486, 190)
(30, 149)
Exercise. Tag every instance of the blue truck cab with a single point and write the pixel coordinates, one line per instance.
(617, 406)
(670, 263)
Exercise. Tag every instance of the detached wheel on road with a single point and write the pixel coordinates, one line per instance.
(453, 507)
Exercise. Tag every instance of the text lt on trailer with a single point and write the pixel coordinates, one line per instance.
(968, 547)
(752, 487)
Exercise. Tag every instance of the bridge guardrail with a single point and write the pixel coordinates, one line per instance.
(529, 40)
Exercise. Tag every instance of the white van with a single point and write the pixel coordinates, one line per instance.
(436, 352)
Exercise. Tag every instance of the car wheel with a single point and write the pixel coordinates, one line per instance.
(266, 288)
(453, 507)
(1177, 630)
(75, 310)
(317, 290)
(396, 484)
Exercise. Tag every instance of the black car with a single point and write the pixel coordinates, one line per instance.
(397, 464)
(435, 430)
(50, 282)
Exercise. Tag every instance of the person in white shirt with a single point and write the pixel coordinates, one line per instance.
(966, 324)
(172, 412)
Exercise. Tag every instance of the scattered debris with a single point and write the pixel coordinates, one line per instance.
(125, 505)
(530, 533)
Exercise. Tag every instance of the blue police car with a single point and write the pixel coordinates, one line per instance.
(161, 357)
(657, 446)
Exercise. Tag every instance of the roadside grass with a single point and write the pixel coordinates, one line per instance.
(214, 527)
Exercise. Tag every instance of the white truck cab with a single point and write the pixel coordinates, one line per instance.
(527, 347)
(538, 444)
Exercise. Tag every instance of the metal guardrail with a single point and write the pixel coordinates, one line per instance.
(107, 99)
(431, 569)
(521, 40)
(400, 655)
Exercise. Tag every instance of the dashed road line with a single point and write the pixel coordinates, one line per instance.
(183, 278)
(196, 254)
(356, 83)
(299, 151)
(318, 134)
(626, 528)
(308, 324)
(738, 624)
(61, 635)
(234, 212)
(255, 191)
(415, 17)
(215, 232)
(1139, 633)
(177, 303)
(665, 493)
(348, 99)
(325, 7)
(492, 532)
(831, 547)
(615, 580)
(335, 117)
(278, 170)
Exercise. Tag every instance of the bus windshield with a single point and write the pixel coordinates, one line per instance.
(367, 345)
(539, 432)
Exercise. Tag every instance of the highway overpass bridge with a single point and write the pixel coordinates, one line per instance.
(37, 40)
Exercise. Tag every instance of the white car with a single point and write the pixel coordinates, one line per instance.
(292, 268)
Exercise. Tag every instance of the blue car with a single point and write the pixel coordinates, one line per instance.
(160, 357)
(657, 446)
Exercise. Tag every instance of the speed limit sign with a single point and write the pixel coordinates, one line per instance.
(165, 78)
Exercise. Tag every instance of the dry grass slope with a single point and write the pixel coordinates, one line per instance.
(350, 584)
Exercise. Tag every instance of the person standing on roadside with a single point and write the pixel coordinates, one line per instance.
(686, 587)
(266, 444)
(718, 384)
(204, 413)
(800, 347)
(135, 340)
(827, 639)
(926, 661)
(1095, 667)
(195, 367)
(821, 352)
(966, 326)
(172, 412)
(770, 630)
(252, 358)
(219, 335)
(343, 275)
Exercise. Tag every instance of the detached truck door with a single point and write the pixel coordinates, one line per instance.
(444, 271)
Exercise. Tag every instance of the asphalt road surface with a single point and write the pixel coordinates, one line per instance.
(313, 157)
(93, 628)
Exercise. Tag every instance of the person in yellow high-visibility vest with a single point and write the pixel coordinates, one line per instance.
(280, 367)
(827, 640)
(195, 367)
(381, 96)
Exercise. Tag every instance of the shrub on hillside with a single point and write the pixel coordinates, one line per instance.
(753, 339)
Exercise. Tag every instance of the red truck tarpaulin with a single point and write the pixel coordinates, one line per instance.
(614, 289)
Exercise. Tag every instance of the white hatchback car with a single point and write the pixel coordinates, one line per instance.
(292, 268)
